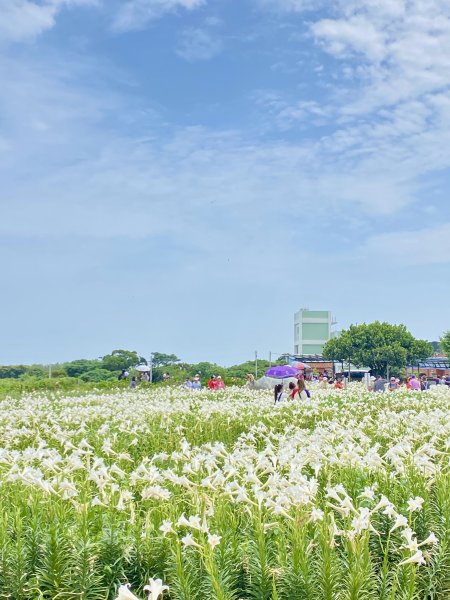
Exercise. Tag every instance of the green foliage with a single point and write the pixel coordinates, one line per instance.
(436, 346)
(22, 371)
(98, 374)
(162, 360)
(75, 368)
(377, 346)
(12, 371)
(121, 359)
(94, 370)
(248, 367)
(445, 342)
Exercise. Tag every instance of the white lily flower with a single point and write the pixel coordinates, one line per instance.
(124, 593)
(431, 539)
(214, 540)
(417, 558)
(182, 521)
(155, 588)
(316, 515)
(188, 540)
(400, 521)
(368, 493)
(194, 522)
(415, 504)
(167, 527)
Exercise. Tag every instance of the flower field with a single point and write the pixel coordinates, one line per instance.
(226, 496)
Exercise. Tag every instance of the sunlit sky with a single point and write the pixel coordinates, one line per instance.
(183, 175)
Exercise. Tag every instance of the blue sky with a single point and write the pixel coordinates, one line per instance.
(183, 175)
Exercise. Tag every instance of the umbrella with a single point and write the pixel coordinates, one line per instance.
(268, 383)
(280, 372)
(142, 368)
(301, 366)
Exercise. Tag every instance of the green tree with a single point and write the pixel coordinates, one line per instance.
(163, 360)
(445, 343)
(75, 368)
(12, 371)
(24, 371)
(436, 346)
(98, 374)
(377, 346)
(121, 359)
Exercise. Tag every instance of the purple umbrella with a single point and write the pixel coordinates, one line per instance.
(281, 371)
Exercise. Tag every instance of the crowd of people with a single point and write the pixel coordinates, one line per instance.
(299, 390)
(215, 382)
(381, 384)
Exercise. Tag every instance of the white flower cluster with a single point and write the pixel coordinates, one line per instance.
(334, 460)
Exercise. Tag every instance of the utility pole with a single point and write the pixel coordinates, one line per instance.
(49, 371)
(256, 364)
(151, 368)
(270, 359)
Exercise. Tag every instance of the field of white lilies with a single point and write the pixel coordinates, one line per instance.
(188, 495)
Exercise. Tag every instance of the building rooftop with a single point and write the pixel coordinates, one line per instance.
(434, 362)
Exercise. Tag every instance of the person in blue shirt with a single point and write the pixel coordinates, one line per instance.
(197, 384)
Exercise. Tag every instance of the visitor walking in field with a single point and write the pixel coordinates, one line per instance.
(393, 385)
(279, 394)
(298, 392)
(379, 384)
(301, 390)
(293, 391)
(414, 383)
(197, 384)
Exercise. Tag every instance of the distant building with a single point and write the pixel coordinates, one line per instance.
(312, 329)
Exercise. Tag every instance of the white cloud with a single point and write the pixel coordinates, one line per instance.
(22, 20)
(357, 34)
(198, 44)
(412, 248)
(136, 14)
(404, 47)
(385, 104)
(296, 6)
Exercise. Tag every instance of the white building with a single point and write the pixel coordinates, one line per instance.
(312, 329)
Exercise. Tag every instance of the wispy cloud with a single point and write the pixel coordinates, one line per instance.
(22, 20)
(211, 190)
(417, 248)
(403, 48)
(296, 6)
(136, 14)
(198, 44)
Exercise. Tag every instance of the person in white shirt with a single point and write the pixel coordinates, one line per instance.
(279, 394)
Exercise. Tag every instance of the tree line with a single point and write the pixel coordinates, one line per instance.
(378, 346)
(381, 347)
(108, 367)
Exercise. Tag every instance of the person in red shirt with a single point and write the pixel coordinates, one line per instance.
(339, 384)
(293, 391)
(212, 382)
